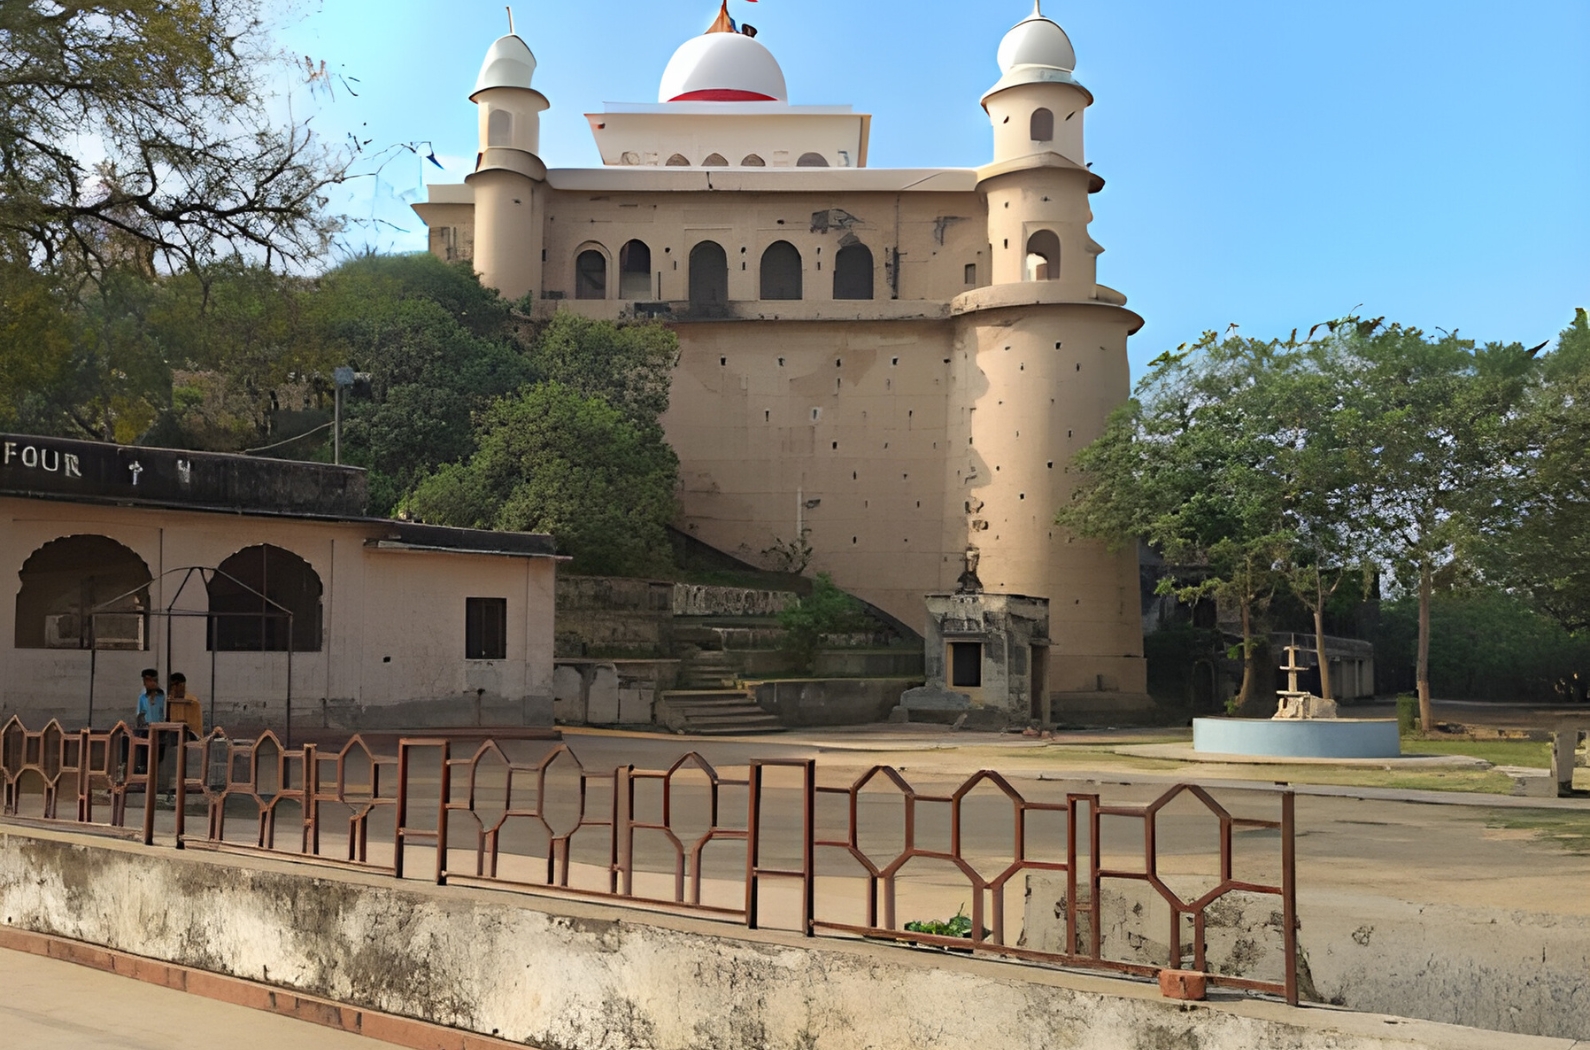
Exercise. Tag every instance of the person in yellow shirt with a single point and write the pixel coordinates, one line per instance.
(182, 706)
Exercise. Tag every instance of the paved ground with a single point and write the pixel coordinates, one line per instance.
(52, 1005)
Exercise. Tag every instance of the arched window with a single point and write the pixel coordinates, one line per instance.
(853, 272)
(752, 161)
(1043, 256)
(678, 160)
(709, 274)
(64, 581)
(590, 275)
(1042, 125)
(249, 623)
(715, 160)
(499, 128)
(781, 271)
(634, 271)
(812, 160)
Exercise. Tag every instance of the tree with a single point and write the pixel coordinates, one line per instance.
(628, 366)
(187, 165)
(1191, 466)
(1543, 550)
(439, 349)
(826, 610)
(552, 460)
(1423, 423)
(36, 338)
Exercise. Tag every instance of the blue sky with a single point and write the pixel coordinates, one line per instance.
(1269, 163)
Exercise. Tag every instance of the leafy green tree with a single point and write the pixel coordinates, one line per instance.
(628, 366)
(1485, 643)
(1543, 549)
(37, 333)
(552, 460)
(188, 165)
(826, 610)
(1423, 423)
(1191, 466)
(439, 350)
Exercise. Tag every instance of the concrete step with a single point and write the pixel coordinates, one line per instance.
(714, 711)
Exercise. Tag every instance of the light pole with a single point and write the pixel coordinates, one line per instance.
(342, 376)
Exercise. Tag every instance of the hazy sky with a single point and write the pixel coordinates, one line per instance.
(1269, 162)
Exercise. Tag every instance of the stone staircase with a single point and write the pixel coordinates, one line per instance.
(706, 668)
(714, 712)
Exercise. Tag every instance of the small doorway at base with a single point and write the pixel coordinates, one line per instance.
(1039, 662)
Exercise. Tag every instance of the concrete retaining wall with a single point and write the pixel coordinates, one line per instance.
(1511, 971)
(571, 976)
(831, 701)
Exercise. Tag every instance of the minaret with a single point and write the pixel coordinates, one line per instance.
(509, 178)
(1039, 365)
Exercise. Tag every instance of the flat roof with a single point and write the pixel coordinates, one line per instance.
(104, 474)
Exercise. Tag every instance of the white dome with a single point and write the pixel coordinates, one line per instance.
(723, 67)
(1037, 42)
(509, 63)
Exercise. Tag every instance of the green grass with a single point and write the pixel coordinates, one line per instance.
(1535, 753)
(1568, 830)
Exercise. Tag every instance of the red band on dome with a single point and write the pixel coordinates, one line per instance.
(722, 95)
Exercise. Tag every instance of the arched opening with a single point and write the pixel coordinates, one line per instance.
(781, 271)
(678, 160)
(254, 624)
(634, 271)
(590, 275)
(1043, 256)
(1042, 125)
(752, 161)
(853, 272)
(812, 160)
(709, 274)
(66, 579)
(715, 160)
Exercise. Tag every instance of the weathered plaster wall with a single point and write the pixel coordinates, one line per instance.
(570, 976)
(1512, 971)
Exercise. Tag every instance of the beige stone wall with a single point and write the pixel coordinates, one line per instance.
(393, 624)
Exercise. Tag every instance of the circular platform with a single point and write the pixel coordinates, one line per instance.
(1298, 738)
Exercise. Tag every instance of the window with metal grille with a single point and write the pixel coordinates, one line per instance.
(485, 628)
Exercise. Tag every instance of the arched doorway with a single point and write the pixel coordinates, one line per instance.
(634, 271)
(709, 274)
(1043, 256)
(853, 272)
(242, 621)
(781, 271)
(62, 583)
(590, 275)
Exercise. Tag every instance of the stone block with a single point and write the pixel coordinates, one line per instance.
(568, 695)
(1183, 984)
(601, 707)
(934, 698)
(634, 705)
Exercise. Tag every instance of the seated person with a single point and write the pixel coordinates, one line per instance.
(183, 706)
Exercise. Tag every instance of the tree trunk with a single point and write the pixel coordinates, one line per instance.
(1426, 585)
(1319, 650)
(1245, 693)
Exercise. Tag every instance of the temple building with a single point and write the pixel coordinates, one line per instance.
(894, 366)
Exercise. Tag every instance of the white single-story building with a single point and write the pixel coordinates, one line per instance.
(265, 584)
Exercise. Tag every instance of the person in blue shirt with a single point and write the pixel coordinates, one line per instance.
(151, 708)
(151, 702)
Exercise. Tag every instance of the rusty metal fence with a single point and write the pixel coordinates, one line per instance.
(491, 815)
